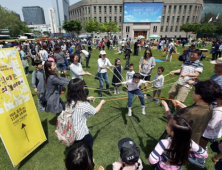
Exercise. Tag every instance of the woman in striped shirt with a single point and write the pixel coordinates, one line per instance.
(173, 153)
(78, 101)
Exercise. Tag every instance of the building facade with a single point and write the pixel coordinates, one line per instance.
(52, 20)
(61, 8)
(212, 6)
(33, 15)
(174, 14)
(40, 27)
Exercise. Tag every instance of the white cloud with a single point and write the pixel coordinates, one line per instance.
(157, 20)
(125, 12)
(159, 17)
(129, 18)
(145, 20)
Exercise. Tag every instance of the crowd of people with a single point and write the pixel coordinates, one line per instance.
(187, 133)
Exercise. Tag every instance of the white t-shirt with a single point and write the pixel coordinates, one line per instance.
(76, 70)
(86, 53)
(133, 86)
(103, 63)
(159, 80)
(44, 55)
(129, 75)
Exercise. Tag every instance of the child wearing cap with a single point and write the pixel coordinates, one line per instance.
(129, 156)
(133, 89)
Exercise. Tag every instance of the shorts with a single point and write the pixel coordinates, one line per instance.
(61, 66)
(179, 91)
(157, 90)
(146, 78)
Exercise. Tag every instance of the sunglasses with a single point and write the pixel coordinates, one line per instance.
(147, 53)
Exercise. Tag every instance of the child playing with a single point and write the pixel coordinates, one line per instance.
(117, 75)
(129, 156)
(158, 84)
(214, 127)
(130, 72)
(38, 82)
(173, 153)
(133, 88)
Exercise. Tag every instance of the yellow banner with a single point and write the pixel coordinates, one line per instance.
(20, 127)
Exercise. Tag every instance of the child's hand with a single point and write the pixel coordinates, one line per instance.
(36, 90)
(103, 101)
(91, 98)
(172, 72)
(101, 168)
(215, 160)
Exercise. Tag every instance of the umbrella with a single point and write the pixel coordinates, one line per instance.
(154, 36)
(140, 37)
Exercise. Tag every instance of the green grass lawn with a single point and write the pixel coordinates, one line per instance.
(111, 124)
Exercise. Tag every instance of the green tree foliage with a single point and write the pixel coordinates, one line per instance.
(72, 26)
(10, 20)
(185, 28)
(91, 25)
(109, 27)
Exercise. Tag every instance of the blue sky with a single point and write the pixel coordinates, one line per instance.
(143, 12)
(16, 5)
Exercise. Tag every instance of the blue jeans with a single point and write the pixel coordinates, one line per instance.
(26, 70)
(106, 78)
(136, 92)
(87, 139)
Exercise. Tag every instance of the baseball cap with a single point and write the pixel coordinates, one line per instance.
(129, 151)
(102, 52)
(218, 61)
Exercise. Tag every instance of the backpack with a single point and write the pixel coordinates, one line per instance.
(65, 129)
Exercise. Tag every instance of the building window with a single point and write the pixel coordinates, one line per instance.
(115, 9)
(193, 18)
(174, 9)
(127, 28)
(105, 9)
(190, 8)
(89, 10)
(100, 19)
(171, 29)
(166, 29)
(120, 9)
(168, 18)
(195, 8)
(184, 9)
(169, 9)
(104, 19)
(94, 9)
(179, 11)
(115, 19)
(163, 17)
(110, 9)
(173, 19)
(95, 18)
(161, 29)
(154, 28)
(120, 19)
(176, 28)
(178, 19)
(110, 19)
(188, 18)
(164, 9)
(100, 9)
(183, 17)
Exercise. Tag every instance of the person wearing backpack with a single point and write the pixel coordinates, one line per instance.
(170, 50)
(38, 82)
(78, 102)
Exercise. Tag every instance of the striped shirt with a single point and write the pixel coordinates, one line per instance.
(189, 67)
(157, 155)
(81, 112)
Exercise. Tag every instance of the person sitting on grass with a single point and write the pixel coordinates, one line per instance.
(133, 89)
(158, 84)
(173, 152)
(198, 114)
(80, 157)
(129, 156)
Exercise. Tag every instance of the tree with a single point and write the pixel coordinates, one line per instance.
(186, 28)
(207, 28)
(91, 25)
(208, 16)
(72, 26)
(109, 27)
(10, 20)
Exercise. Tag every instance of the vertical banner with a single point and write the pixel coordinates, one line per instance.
(20, 127)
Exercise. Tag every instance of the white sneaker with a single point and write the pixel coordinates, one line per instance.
(129, 112)
(114, 92)
(143, 111)
(118, 92)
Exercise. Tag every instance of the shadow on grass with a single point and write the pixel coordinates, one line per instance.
(124, 112)
(191, 167)
(54, 119)
(45, 128)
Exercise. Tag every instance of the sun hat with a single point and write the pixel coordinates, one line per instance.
(102, 52)
(129, 151)
(218, 61)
